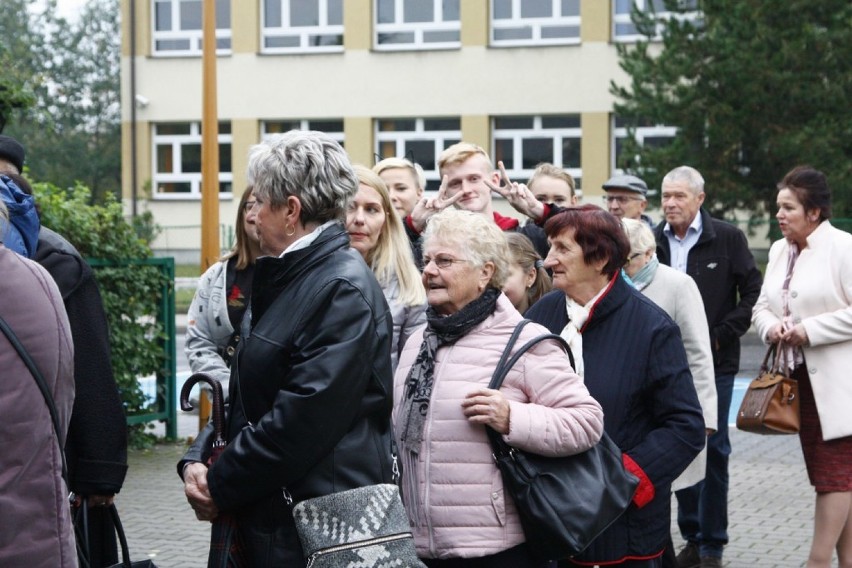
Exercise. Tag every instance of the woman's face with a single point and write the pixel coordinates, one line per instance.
(637, 261)
(571, 274)
(249, 217)
(517, 284)
(450, 279)
(793, 219)
(548, 189)
(365, 219)
(403, 189)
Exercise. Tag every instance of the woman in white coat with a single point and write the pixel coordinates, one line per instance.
(806, 302)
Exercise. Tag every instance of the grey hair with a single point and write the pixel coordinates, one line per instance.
(640, 236)
(308, 165)
(694, 180)
(477, 236)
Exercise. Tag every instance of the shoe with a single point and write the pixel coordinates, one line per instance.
(711, 562)
(688, 557)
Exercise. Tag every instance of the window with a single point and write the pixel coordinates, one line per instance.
(625, 30)
(420, 140)
(178, 30)
(535, 22)
(523, 142)
(300, 26)
(177, 160)
(334, 128)
(417, 24)
(645, 134)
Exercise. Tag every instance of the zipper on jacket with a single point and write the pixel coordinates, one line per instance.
(352, 545)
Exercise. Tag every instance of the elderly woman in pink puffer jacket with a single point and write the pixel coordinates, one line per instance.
(452, 489)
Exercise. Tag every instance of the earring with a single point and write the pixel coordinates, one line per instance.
(290, 233)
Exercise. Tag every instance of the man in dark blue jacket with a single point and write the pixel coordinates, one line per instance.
(716, 255)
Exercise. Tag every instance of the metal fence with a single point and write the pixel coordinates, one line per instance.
(164, 406)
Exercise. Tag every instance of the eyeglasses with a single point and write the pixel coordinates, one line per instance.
(247, 206)
(621, 199)
(442, 262)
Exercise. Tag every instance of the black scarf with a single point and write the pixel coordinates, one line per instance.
(418, 386)
(439, 331)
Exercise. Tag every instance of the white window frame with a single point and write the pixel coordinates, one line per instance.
(194, 178)
(304, 124)
(441, 139)
(518, 135)
(641, 133)
(304, 33)
(417, 28)
(193, 36)
(517, 21)
(644, 5)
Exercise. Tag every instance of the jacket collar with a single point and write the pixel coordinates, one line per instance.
(618, 294)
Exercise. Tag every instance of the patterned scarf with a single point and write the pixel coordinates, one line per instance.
(439, 331)
(646, 274)
(578, 315)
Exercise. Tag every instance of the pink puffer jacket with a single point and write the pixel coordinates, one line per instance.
(463, 511)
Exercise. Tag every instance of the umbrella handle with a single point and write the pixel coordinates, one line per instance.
(218, 400)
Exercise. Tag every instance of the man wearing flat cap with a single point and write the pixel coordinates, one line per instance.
(11, 155)
(627, 197)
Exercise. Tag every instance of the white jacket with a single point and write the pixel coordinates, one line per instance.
(405, 318)
(820, 299)
(678, 295)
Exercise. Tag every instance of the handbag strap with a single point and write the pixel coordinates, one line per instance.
(507, 361)
(42, 386)
(122, 539)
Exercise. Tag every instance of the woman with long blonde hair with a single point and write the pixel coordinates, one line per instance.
(375, 230)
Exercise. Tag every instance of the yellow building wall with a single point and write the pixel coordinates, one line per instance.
(245, 26)
(596, 18)
(358, 138)
(473, 15)
(358, 25)
(596, 160)
(477, 130)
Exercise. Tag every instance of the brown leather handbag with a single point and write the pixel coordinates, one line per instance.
(771, 403)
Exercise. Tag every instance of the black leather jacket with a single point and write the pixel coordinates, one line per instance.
(311, 392)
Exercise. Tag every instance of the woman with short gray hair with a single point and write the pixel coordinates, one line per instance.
(310, 388)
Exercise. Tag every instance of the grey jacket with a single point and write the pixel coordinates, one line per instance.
(405, 318)
(36, 517)
(208, 328)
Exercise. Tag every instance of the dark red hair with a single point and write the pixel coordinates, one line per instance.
(598, 232)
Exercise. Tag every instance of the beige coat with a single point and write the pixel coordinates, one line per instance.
(821, 299)
(679, 297)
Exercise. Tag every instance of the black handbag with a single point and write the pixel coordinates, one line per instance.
(564, 503)
(125, 553)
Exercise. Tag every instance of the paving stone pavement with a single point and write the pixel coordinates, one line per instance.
(770, 505)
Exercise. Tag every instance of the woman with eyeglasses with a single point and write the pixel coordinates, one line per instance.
(221, 300)
(375, 230)
(453, 491)
(679, 297)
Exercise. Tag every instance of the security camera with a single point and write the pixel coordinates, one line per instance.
(142, 101)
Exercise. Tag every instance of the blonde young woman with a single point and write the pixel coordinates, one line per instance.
(405, 182)
(375, 231)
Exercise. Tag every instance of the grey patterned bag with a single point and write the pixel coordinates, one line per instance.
(365, 527)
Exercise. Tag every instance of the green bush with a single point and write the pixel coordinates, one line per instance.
(131, 294)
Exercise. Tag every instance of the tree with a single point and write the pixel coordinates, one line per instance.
(754, 88)
(73, 131)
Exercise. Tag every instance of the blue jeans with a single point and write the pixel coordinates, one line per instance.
(703, 508)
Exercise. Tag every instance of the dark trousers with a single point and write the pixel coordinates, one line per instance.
(515, 557)
(703, 508)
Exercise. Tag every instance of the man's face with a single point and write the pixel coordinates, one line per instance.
(680, 205)
(468, 178)
(625, 204)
